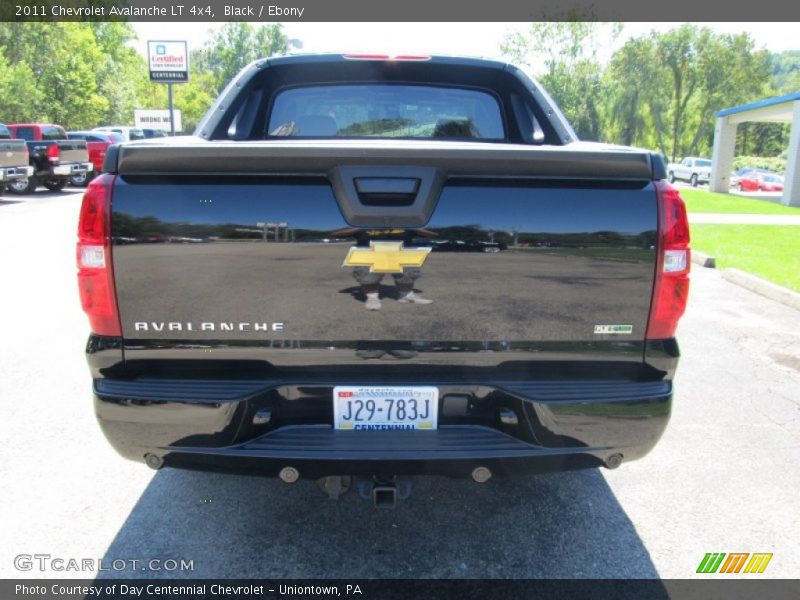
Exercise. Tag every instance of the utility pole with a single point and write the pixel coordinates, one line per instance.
(171, 111)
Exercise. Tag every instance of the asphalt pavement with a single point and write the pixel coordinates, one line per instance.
(724, 478)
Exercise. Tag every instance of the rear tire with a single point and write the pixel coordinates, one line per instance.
(55, 185)
(80, 180)
(693, 180)
(671, 177)
(740, 187)
(26, 185)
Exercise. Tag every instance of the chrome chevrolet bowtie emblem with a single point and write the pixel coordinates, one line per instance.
(385, 257)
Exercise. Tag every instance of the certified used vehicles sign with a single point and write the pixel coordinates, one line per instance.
(169, 61)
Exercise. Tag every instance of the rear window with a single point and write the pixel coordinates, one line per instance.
(136, 134)
(702, 163)
(25, 133)
(386, 111)
(53, 133)
(5, 134)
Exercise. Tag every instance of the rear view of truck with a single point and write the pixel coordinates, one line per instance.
(54, 159)
(377, 267)
(13, 159)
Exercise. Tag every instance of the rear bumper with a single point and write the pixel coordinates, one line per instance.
(14, 173)
(71, 169)
(260, 427)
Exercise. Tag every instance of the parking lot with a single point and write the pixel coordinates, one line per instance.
(723, 479)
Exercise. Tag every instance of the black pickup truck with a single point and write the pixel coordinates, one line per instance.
(53, 157)
(314, 334)
(13, 159)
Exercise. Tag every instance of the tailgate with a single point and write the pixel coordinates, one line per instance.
(73, 151)
(13, 153)
(244, 247)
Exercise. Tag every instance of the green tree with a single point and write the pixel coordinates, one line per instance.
(786, 72)
(563, 55)
(18, 91)
(193, 98)
(61, 59)
(664, 88)
(121, 74)
(234, 46)
(771, 139)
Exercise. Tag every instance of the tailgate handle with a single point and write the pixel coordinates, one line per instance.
(386, 196)
(387, 191)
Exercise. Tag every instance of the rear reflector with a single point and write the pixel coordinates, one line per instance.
(671, 287)
(95, 270)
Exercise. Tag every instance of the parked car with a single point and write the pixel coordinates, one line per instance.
(692, 169)
(249, 356)
(129, 134)
(742, 171)
(756, 181)
(14, 159)
(154, 133)
(97, 142)
(54, 158)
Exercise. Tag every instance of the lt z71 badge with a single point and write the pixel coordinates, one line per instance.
(613, 329)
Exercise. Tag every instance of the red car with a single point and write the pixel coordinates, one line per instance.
(760, 182)
(97, 142)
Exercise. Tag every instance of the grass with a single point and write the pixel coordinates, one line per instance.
(701, 201)
(768, 251)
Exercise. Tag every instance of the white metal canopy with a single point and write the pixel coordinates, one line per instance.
(783, 109)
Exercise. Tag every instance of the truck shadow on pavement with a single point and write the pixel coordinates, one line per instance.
(561, 525)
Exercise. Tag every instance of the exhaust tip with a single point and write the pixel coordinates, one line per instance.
(613, 461)
(153, 461)
(481, 474)
(289, 474)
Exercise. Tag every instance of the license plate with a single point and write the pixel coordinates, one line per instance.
(361, 408)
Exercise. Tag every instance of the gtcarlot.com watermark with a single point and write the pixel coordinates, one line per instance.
(48, 563)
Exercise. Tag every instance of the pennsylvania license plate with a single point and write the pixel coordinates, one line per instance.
(385, 408)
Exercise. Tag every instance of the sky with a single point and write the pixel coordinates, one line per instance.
(470, 39)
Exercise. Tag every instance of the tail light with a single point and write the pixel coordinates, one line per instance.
(411, 57)
(53, 153)
(95, 269)
(671, 289)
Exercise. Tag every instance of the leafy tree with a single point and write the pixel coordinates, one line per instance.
(786, 72)
(563, 55)
(236, 45)
(771, 139)
(122, 72)
(18, 91)
(61, 58)
(193, 99)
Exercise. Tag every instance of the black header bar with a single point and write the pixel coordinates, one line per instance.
(405, 10)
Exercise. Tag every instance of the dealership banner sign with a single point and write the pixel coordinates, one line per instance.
(169, 61)
(156, 119)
